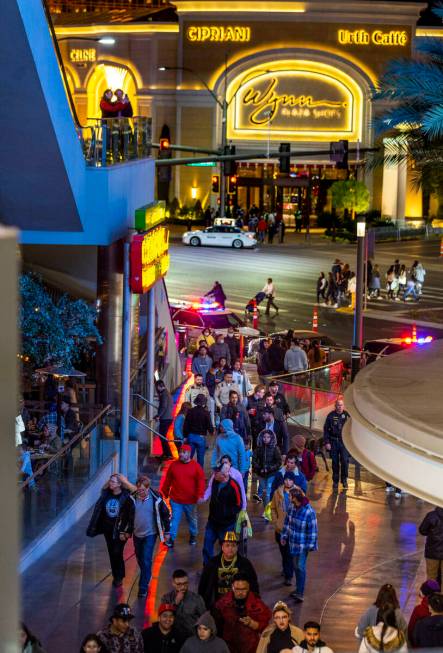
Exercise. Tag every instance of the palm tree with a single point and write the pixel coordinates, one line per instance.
(413, 89)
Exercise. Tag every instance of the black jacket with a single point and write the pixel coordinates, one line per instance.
(266, 461)
(255, 420)
(432, 528)
(428, 632)
(162, 516)
(156, 642)
(124, 522)
(197, 421)
(334, 426)
(234, 347)
(225, 503)
(280, 401)
(209, 580)
(276, 357)
(281, 433)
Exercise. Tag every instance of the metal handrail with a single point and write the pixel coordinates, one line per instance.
(308, 371)
(135, 394)
(159, 435)
(82, 434)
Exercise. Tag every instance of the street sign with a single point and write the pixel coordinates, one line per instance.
(202, 164)
(149, 257)
(150, 216)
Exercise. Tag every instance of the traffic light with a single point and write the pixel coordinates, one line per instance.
(229, 167)
(284, 162)
(215, 183)
(164, 144)
(232, 185)
(339, 154)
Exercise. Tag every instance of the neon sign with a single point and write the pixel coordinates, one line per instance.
(149, 259)
(78, 55)
(149, 216)
(297, 100)
(376, 37)
(218, 33)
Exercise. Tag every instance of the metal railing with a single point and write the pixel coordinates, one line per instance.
(110, 141)
(82, 435)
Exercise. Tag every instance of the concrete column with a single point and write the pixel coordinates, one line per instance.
(390, 190)
(402, 189)
(9, 497)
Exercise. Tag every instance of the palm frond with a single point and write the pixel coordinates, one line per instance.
(429, 47)
(433, 122)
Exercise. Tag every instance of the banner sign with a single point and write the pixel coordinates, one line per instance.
(149, 259)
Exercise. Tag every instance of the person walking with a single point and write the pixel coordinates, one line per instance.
(385, 635)
(205, 639)
(163, 636)
(217, 575)
(432, 528)
(322, 286)
(266, 461)
(220, 350)
(421, 610)
(233, 341)
(189, 606)
(241, 378)
(202, 363)
(196, 427)
(312, 642)
(428, 632)
(295, 358)
(224, 505)
(242, 616)
(218, 293)
(151, 521)
(270, 292)
(184, 485)
(386, 596)
(272, 420)
(301, 533)
(305, 458)
(291, 465)
(280, 504)
(261, 230)
(164, 415)
(113, 517)
(235, 411)
(229, 443)
(281, 634)
(225, 462)
(224, 388)
(254, 405)
(333, 441)
(119, 636)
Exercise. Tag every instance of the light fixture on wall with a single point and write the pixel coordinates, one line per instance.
(194, 192)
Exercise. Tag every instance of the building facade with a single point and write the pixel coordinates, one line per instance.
(293, 72)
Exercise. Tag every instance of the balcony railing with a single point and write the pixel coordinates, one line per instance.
(110, 141)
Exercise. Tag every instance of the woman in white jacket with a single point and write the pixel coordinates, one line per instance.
(385, 636)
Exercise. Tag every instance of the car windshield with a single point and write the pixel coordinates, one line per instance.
(222, 321)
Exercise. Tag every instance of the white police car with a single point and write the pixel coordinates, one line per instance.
(220, 236)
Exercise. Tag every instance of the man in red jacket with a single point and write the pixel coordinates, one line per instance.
(184, 484)
(422, 609)
(241, 616)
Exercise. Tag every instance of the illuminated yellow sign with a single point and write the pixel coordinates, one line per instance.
(297, 100)
(218, 33)
(79, 55)
(149, 258)
(376, 37)
(149, 216)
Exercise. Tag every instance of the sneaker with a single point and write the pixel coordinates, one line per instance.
(334, 305)
(169, 544)
(379, 297)
(297, 598)
(257, 499)
(397, 299)
(192, 540)
(398, 495)
(389, 488)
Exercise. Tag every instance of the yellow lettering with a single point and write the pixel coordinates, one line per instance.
(215, 33)
(377, 37)
(218, 33)
(229, 34)
(205, 33)
(192, 33)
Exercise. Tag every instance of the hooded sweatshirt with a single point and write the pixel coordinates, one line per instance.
(393, 640)
(296, 359)
(212, 645)
(266, 460)
(231, 444)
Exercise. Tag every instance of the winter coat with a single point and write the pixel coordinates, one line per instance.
(394, 640)
(230, 443)
(266, 460)
(208, 585)
(220, 350)
(164, 410)
(237, 476)
(256, 405)
(190, 608)
(225, 504)
(278, 426)
(240, 419)
(162, 516)
(295, 360)
(432, 528)
(197, 421)
(234, 347)
(276, 357)
(124, 522)
(429, 632)
(212, 645)
(296, 634)
(154, 640)
(241, 638)
(278, 509)
(369, 618)
(419, 612)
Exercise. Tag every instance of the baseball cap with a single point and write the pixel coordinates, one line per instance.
(186, 447)
(429, 587)
(166, 607)
(122, 611)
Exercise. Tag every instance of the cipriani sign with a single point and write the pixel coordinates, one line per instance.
(297, 100)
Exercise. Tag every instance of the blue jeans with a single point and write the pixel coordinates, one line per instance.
(299, 564)
(198, 443)
(264, 485)
(340, 461)
(410, 291)
(286, 558)
(213, 534)
(191, 515)
(144, 551)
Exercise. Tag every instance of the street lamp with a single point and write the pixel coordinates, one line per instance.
(357, 340)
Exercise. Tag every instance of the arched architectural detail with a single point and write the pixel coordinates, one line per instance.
(113, 74)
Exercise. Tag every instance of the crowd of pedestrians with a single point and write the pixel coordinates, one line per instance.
(399, 283)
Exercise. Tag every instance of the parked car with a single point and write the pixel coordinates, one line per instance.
(220, 236)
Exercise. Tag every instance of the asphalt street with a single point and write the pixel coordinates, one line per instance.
(294, 267)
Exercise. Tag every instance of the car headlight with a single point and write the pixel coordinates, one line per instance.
(251, 236)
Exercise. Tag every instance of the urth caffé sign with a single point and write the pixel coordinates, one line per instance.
(295, 100)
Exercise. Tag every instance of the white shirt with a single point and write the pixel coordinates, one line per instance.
(269, 289)
(19, 429)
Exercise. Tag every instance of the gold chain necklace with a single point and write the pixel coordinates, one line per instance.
(230, 565)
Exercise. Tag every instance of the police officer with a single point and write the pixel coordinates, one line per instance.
(332, 435)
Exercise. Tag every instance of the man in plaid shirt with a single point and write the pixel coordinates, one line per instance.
(301, 532)
(53, 419)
